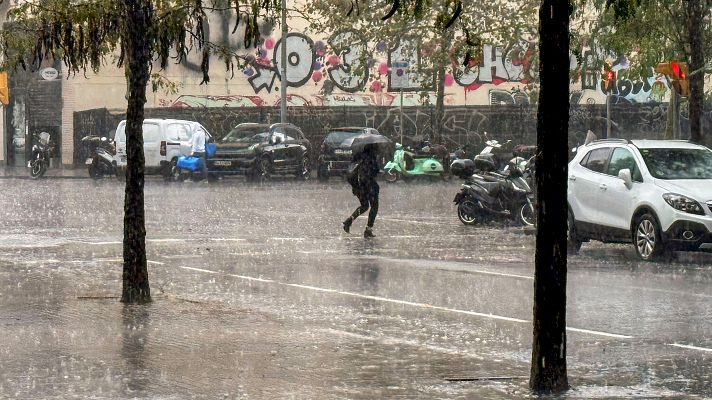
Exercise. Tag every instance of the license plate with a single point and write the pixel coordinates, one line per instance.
(89, 161)
(339, 151)
(222, 163)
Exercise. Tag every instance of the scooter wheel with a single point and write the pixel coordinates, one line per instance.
(467, 213)
(37, 169)
(392, 176)
(95, 172)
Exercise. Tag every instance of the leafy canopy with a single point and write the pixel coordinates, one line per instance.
(84, 34)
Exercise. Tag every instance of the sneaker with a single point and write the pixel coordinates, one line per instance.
(347, 225)
(368, 233)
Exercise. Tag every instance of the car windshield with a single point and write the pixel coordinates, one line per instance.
(678, 163)
(335, 138)
(247, 134)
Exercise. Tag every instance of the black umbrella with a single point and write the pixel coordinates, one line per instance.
(360, 142)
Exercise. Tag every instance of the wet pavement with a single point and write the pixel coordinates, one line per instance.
(258, 293)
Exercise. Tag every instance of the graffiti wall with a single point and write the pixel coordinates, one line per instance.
(341, 69)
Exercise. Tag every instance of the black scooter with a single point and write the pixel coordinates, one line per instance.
(492, 195)
(41, 154)
(100, 162)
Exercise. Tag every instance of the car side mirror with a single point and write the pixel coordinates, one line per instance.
(627, 178)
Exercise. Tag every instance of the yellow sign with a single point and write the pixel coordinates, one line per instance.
(4, 89)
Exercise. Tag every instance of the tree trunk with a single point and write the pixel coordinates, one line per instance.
(445, 43)
(548, 367)
(695, 15)
(138, 56)
(439, 105)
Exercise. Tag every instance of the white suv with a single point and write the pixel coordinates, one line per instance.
(656, 194)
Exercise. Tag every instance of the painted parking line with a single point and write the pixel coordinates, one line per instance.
(688, 347)
(403, 302)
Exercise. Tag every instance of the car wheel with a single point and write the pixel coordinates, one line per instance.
(168, 171)
(647, 238)
(264, 168)
(175, 174)
(573, 243)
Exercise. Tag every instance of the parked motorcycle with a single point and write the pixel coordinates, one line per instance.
(408, 164)
(100, 162)
(492, 195)
(41, 154)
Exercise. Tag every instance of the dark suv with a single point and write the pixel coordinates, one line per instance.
(335, 151)
(259, 151)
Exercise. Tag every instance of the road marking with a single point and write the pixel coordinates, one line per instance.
(207, 271)
(599, 333)
(404, 302)
(155, 262)
(228, 240)
(444, 223)
(101, 243)
(685, 346)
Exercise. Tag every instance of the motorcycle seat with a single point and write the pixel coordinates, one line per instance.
(490, 187)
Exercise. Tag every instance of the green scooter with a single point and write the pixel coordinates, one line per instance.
(406, 164)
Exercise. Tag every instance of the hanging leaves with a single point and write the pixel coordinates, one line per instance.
(84, 35)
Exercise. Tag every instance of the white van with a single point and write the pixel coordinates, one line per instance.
(164, 140)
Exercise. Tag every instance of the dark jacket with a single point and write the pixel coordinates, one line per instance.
(368, 169)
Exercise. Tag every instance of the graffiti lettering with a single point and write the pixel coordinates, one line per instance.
(352, 49)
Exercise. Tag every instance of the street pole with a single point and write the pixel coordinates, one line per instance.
(283, 88)
(401, 115)
(608, 115)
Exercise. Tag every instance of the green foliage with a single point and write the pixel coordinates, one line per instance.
(445, 30)
(85, 34)
(647, 31)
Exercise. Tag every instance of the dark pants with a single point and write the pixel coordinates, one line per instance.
(368, 196)
(203, 163)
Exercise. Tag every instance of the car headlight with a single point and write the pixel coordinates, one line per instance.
(683, 203)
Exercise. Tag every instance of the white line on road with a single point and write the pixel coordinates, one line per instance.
(404, 302)
(155, 262)
(599, 333)
(685, 346)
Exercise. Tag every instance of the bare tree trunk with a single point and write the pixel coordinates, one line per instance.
(548, 367)
(138, 56)
(695, 15)
(445, 43)
(439, 105)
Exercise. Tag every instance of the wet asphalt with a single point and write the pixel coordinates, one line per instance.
(258, 293)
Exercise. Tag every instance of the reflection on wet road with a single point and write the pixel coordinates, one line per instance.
(426, 300)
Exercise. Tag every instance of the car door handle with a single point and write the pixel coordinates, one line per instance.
(572, 177)
(603, 187)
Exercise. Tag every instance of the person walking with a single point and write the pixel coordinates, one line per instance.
(197, 144)
(365, 188)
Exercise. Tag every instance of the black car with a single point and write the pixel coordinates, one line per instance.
(335, 151)
(259, 151)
